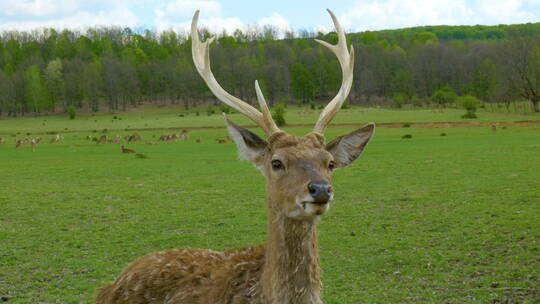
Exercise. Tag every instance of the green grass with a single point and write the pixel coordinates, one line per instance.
(170, 118)
(432, 219)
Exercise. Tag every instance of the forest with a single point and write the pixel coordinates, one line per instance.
(114, 69)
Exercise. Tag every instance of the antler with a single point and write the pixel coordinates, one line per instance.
(346, 60)
(201, 58)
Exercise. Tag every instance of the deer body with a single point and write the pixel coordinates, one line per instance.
(298, 171)
(250, 275)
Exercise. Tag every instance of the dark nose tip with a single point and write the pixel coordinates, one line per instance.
(320, 192)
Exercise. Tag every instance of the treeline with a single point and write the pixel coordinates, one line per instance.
(46, 70)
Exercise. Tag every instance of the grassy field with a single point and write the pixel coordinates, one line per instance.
(432, 219)
(143, 118)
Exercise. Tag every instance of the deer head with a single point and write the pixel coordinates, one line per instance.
(298, 169)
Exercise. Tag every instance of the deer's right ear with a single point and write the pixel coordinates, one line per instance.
(250, 146)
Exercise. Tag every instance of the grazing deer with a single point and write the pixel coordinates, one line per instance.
(102, 140)
(58, 138)
(126, 150)
(298, 171)
(2, 140)
(494, 127)
(33, 142)
(134, 137)
(184, 135)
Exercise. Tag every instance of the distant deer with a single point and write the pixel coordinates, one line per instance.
(494, 127)
(298, 171)
(134, 137)
(221, 141)
(102, 140)
(33, 142)
(2, 140)
(126, 150)
(184, 135)
(58, 138)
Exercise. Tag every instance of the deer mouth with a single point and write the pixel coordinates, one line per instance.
(311, 207)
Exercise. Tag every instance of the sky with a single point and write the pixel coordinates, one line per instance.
(219, 15)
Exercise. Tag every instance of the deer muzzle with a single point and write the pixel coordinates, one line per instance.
(320, 192)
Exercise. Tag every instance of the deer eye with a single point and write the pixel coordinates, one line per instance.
(332, 165)
(277, 165)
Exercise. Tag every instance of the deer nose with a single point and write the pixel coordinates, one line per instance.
(321, 192)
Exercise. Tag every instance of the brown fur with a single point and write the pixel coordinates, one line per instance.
(2, 140)
(126, 150)
(102, 140)
(134, 137)
(285, 270)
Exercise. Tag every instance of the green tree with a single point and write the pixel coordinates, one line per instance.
(403, 84)
(36, 95)
(444, 96)
(484, 80)
(54, 79)
(470, 104)
(7, 97)
(302, 83)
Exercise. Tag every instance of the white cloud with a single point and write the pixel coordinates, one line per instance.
(60, 14)
(406, 13)
(277, 21)
(182, 9)
(215, 25)
(36, 7)
(118, 16)
(177, 15)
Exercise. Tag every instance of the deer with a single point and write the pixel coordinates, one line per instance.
(126, 150)
(102, 139)
(184, 135)
(2, 140)
(58, 138)
(298, 172)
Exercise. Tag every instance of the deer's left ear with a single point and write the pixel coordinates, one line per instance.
(250, 146)
(346, 148)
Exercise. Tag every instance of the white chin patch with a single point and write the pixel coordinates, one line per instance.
(305, 208)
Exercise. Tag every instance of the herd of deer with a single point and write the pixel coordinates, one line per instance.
(117, 139)
(175, 137)
(298, 172)
(33, 142)
(100, 140)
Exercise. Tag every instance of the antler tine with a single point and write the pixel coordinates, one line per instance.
(201, 58)
(267, 116)
(346, 60)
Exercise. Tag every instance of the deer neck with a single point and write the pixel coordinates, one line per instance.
(291, 272)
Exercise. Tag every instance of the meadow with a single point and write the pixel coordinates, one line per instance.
(430, 219)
